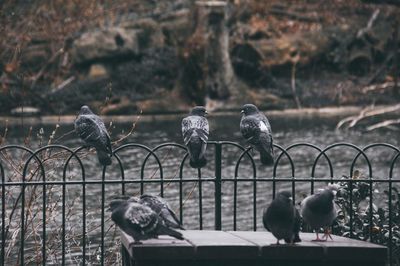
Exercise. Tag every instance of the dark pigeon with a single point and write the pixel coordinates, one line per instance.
(139, 221)
(92, 131)
(319, 211)
(162, 208)
(256, 129)
(282, 219)
(195, 132)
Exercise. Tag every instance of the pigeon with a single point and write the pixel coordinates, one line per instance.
(319, 210)
(162, 208)
(195, 132)
(282, 219)
(92, 131)
(256, 129)
(139, 221)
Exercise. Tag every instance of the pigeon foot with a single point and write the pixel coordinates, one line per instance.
(327, 233)
(318, 239)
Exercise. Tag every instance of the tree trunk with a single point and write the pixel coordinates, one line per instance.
(218, 68)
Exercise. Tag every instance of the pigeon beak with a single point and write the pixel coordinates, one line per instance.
(206, 112)
(242, 111)
(291, 198)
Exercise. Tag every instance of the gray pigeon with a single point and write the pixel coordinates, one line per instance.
(319, 210)
(195, 132)
(139, 221)
(256, 129)
(162, 208)
(283, 219)
(92, 131)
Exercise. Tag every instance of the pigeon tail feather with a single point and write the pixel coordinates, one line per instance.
(104, 157)
(199, 163)
(266, 158)
(163, 230)
(296, 238)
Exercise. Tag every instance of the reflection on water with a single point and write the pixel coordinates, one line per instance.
(152, 132)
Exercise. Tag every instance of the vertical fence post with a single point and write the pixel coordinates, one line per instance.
(3, 217)
(218, 196)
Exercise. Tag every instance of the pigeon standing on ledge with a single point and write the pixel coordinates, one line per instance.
(162, 208)
(282, 219)
(139, 221)
(256, 129)
(92, 131)
(319, 210)
(195, 132)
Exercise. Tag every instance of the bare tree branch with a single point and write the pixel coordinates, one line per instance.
(365, 113)
(382, 124)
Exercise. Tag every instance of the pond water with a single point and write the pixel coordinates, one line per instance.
(152, 131)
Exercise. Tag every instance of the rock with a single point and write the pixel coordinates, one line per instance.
(90, 91)
(104, 44)
(25, 110)
(164, 102)
(156, 70)
(282, 51)
(97, 70)
(177, 25)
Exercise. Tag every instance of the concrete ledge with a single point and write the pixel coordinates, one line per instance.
(250, 248)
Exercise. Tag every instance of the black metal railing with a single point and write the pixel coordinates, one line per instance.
(54, 199)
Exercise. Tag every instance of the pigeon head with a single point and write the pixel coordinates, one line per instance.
(285, 196)
(85, 110)
(249, 109)
(119, 200)
(116, 203)
(199, 110)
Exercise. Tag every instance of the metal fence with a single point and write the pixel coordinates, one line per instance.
(49, 214)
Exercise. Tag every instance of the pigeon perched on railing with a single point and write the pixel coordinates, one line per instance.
(139, 221)
(319, 211)
(282, 219)
(256, 129)
(92, 131)
(195, 132)
(162, 208)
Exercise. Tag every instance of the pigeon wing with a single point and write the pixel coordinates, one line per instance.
(142, 218)
(186, 129)
(203, 128)
(104, 132)
(88, 129)
(250, 127)
(162, 208)
(155, 203)
(171, 218)
(319, 205)
(195, 125)
(265, 122)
